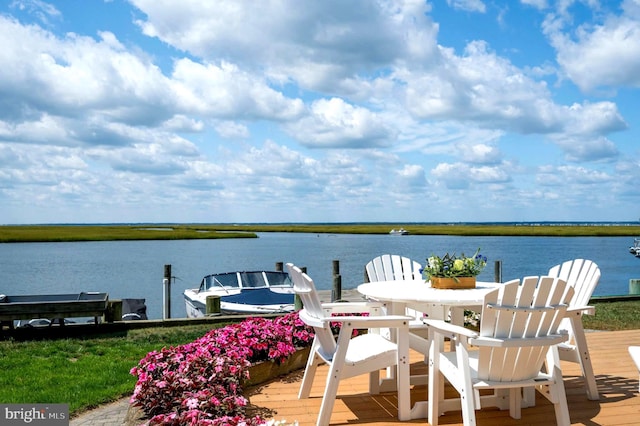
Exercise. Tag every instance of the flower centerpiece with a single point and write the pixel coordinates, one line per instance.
(451, 271)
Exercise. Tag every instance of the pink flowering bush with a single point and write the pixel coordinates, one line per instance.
(200, 383)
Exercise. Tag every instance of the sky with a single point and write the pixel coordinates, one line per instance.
(237, 111)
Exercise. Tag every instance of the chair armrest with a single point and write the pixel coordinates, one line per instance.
(448, 329)
(382, 321)
(581, 310)
(495, 342)
(352, 307)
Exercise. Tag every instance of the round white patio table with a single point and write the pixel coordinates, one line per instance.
(419, 295)
(435, 303)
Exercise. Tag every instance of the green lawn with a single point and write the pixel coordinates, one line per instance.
(82, 372)
(614, 316)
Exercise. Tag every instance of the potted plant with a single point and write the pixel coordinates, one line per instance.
(451, 271)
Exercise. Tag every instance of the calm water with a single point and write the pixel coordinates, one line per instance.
(134, 269)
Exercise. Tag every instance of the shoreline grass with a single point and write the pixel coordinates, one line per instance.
(77, 233)
(73, 233)
(491, 229)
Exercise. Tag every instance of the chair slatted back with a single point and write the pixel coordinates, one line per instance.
(390, 267)
(313, 313)
(519, 323)
(393, 267)
(583, 275)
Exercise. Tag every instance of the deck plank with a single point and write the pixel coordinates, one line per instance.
(616, 376)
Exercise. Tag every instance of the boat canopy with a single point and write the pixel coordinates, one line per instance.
(259, 296)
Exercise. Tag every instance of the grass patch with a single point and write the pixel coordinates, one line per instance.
(82, 372)
(614, 316)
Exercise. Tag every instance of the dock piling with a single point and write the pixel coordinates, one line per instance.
(166, 284)
(212, 305)
(497, 271)
(336, 293)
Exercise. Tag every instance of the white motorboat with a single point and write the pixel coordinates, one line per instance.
(635, 248)
(246, 293)
(400, 231)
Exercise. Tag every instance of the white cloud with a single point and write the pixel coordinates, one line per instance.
(538, 4)
(232, 130)
(485, 89)
(226, 91)
(481, 154)
(593, 119)
(558, 176)
(468, 5)
(462, 176)
(335, 123)
(317, 46)
(603, 55)
(69, 76)
(41, 10)
(578, 149)
(480, 86)
(183, 123)
(412, 175)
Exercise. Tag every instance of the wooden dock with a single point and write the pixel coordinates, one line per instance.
(616, 375)
(52, 306)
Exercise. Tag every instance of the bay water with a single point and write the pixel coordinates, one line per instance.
(135, 269)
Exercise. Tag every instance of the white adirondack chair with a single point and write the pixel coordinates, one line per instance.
(583, 276)
(349, 357)
(518, 334)
(393, 267)
(390, 267)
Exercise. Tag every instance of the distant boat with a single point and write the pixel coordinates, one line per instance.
(247, 293)
(400, 231)
(635, 248)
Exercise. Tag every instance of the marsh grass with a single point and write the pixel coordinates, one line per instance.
(445, 229)
(63, 233)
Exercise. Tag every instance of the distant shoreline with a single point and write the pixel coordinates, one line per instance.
(115, 232)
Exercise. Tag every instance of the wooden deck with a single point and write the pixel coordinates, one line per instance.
(616, 375)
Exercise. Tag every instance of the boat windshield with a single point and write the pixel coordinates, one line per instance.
(252, 279)
(219, 280)
(278, 279)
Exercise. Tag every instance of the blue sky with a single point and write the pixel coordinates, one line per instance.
(319, 111)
